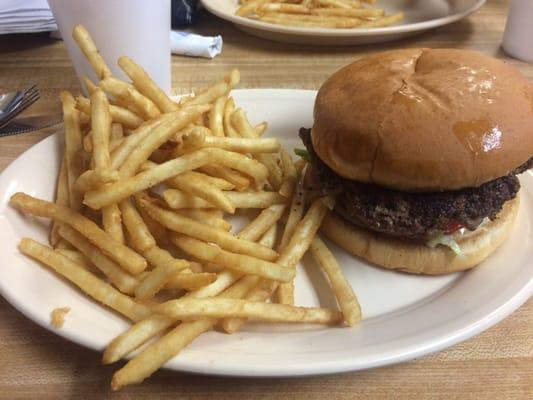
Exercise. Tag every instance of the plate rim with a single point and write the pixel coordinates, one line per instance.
(387, 357)
(328, 32)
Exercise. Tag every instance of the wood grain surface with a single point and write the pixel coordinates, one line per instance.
(36, 364)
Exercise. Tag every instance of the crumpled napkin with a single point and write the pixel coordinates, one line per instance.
(190, 44)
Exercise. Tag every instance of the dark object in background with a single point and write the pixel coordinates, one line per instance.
(183, 13)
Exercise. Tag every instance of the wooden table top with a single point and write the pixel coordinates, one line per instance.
(498, 364)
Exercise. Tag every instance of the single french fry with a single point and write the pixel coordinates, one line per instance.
(101, 132)
(233, 261)
(163, 132)
(311, 21)
(333, 4)
(121, 254)
(125, 117)
(342, 289)
(177, 199)
(154, 356)
(383, 21)
(249, 7)
(78, 258)
(270, 237)
(117, 191)
(206, 216)
(198, 187)
(211, 94)
(139, 233)
(210, 267)
(157, 257)
(233, 78)
(144, 84)
(229, 130)
(231, 325)
(100, 128)
(349, 12)
(158, 231)
(296, 212)
(116, 275)
(190, 281)
(240, 182)
(188, 308)
(261, 128)
(224, 280)
(87, 46)
(112, 222)
(86, 281)
(298, 244)
(270, 161)
(117, 132)
(190, 227)
(218, 183)
(283, 8)
(240, 145)
(130, 96)
(89, 85)
(61, 199)
(216, 115)
(290, 175)
(154, 281)
(262, 223)
(261, 292)
(95, 178)
(115, 144)
(73, 147)
(132, 141)
(118, 114)
(134, 337)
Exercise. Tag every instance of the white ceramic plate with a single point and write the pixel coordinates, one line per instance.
(420, 15)
(405, 316)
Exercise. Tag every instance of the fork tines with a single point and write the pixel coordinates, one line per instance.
(30, 96)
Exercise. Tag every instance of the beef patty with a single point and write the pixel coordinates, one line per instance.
(411, 215)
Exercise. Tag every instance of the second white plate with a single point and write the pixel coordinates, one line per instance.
(420, 15)
(404, 316)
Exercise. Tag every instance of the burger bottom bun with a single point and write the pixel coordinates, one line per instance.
(392, 253)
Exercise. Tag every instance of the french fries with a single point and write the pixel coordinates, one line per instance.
(234, 261)
(318, 13)
(300, 241)
(181, 224)
(342, 289)
(87, 46)
(157, 178)
(144, 84)
(191, 309)
(73, 148)
(116, 275)
(177, 199)
(87, 282)
(117, 191)
(123, 255)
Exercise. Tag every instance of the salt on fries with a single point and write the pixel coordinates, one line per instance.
(344, 14)
(128, 247)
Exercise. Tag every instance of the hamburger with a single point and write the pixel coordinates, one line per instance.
(421, 148)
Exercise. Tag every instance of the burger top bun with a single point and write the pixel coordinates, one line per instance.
(424, 119)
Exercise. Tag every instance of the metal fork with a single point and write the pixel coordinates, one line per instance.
(13, 103)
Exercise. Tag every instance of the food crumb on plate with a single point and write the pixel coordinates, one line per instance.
(58, 316)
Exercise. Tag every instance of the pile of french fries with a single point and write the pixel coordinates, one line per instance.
(138, 219)
(339, 14)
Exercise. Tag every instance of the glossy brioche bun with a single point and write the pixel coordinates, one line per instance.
(424, 119)
(400, 255)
